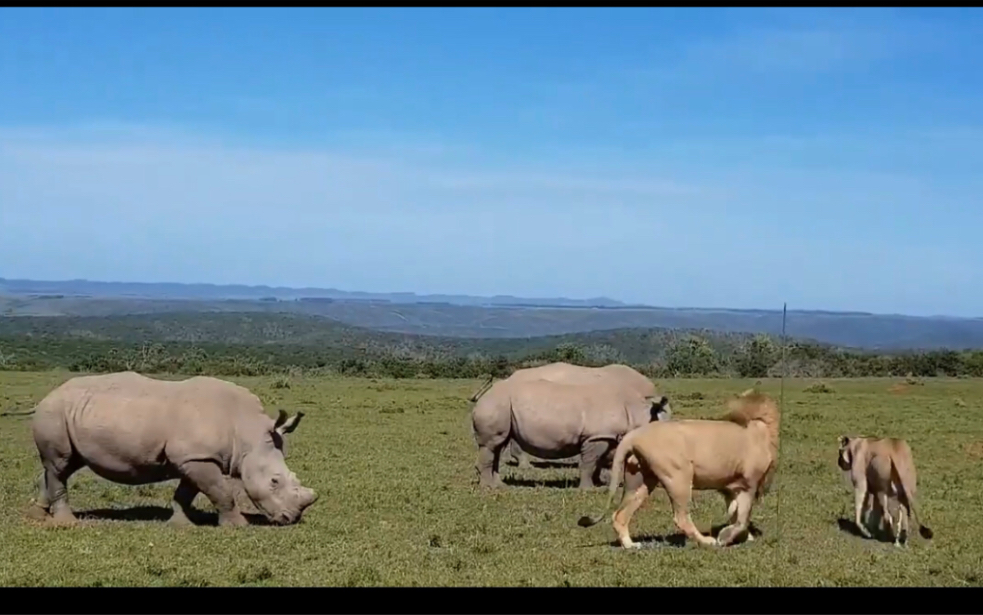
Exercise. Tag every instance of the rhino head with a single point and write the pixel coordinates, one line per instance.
(266, 479)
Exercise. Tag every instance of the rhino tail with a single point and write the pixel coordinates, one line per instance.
(625, 447)
(484, 389)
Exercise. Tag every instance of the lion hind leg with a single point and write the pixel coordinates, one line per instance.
(630, 504)
(680, 490)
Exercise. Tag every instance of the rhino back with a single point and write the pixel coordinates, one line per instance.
(557, 372)
(617, 373)
(631, 379)
(123, 422)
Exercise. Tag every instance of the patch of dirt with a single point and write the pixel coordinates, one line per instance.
(899, 388)
(974, 449)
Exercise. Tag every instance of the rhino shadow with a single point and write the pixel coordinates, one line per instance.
(546, 464)
(161, 514)
(879, 535)
(549, 483)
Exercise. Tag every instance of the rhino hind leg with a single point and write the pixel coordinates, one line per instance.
(59, 465)
(489, 465)
(518, 456)
(591, 453)
(184, 495)
(54, 492)
(208, 478)
(487, 476)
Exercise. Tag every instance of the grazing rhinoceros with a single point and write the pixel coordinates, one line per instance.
(135, 430)
(622, 375)
(554, 420)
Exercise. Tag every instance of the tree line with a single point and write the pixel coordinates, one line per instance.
(690, 355)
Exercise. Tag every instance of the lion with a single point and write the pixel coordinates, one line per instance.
(881, 469)
(735, 456)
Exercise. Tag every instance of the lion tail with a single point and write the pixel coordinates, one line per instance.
(625, 447)
(903, 473)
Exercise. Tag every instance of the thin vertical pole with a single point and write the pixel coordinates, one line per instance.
(781, 409)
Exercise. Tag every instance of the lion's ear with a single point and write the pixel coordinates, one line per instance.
(844, 441)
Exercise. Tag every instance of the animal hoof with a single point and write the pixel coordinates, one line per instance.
(233, 520)
(177, 520)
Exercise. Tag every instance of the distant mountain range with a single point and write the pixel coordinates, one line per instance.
(174, 290)
(478, 317)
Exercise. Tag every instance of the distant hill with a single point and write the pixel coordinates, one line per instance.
(480, 317)
(262, 329)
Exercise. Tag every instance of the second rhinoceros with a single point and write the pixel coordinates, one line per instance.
(622, 376)
(135, 430)
(554, 420)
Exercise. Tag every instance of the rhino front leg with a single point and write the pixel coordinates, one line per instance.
(184, 495)
(591, 453)
(208, 478)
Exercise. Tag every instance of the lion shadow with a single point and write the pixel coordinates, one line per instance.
(161, 514)
(679, 539)
(877, 534)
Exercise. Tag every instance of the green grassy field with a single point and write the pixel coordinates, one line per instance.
(393, 462)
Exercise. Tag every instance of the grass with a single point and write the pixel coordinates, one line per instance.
(394, 464)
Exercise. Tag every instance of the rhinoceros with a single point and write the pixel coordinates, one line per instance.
(621, 375)
(134, 430)
(555, 420)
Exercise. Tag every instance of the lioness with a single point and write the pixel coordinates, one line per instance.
(879, 469)
(735, 456)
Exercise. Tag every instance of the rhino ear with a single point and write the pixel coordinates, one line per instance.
(286, 426)
(661, 410)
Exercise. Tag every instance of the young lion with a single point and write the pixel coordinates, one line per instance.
(879, 469)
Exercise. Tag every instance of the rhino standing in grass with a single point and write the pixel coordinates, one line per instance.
(554, 420)
(621, 375)
(134, 430)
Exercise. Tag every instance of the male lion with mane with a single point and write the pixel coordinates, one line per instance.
(881, 469)
(735, 456)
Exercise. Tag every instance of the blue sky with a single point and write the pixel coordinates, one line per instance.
(830, 158)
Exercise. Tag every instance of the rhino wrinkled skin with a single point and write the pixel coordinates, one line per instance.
(134, 430)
